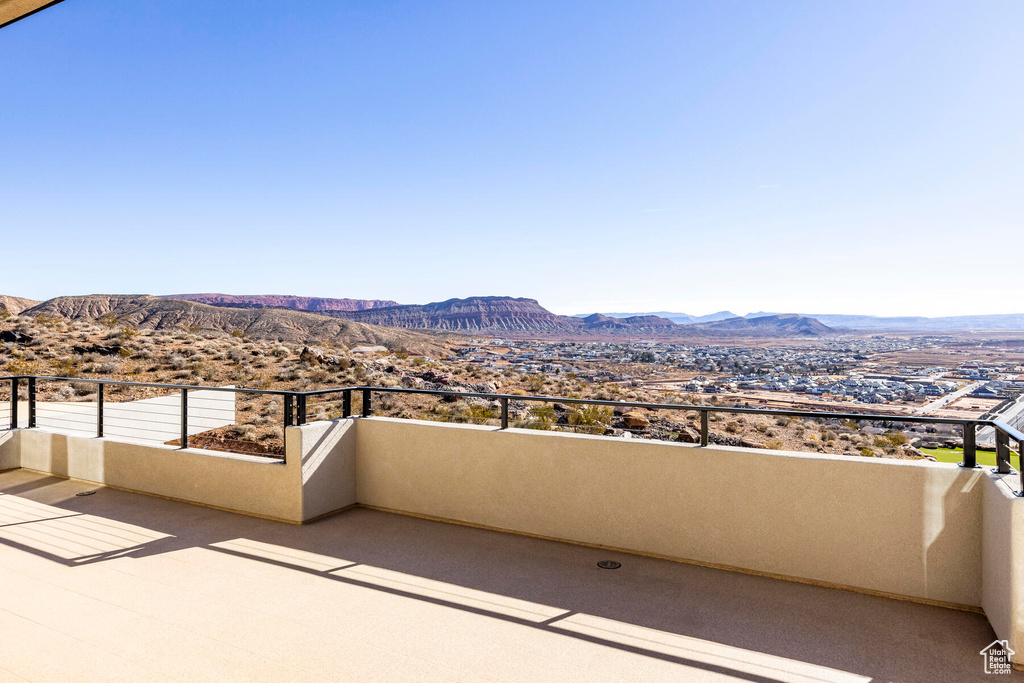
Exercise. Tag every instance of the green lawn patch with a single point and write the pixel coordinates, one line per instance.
(957, 454)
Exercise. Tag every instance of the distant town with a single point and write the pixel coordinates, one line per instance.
(890, 374)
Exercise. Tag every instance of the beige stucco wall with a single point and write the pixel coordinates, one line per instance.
(319, 477)
(1003, 560)
(327, 451)
(10, 450)
(247, 484)
(910, 528)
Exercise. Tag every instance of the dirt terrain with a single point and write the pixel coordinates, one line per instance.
(114, 349)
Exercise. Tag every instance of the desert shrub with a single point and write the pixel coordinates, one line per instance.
(543, 417)
(536, 382)
(83, 388)
(245, 431)
(774, 444)
(66, 367)
(890, 440)
(732, 427)
(867, 452)
(63, 393)
(21, 366)
(319, 376)
(479, 412)
(590, 419)
(109, 367)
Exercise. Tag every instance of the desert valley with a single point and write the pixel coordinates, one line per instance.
(514, 346)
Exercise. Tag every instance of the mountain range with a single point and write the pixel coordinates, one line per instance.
(502, 315)
(681, 318)
(373, 321)
(917, 323)
(278, 324)
(299, 303)
(256, 317)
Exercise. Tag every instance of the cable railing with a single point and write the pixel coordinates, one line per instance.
(253, 420)
(248, 421)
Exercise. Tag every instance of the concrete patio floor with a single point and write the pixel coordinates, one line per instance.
(120, 586)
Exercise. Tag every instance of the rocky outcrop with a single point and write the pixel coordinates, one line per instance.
(14, 337)
(297, 303)
(494, 314)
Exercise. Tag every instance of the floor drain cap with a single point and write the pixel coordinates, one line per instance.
(84, 493)
(608, 564)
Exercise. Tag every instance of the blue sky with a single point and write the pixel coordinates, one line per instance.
(846, 157)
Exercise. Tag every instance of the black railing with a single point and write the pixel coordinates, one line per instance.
(174, 420)
(296, 403)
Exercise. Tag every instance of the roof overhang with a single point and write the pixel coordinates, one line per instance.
(14, 10)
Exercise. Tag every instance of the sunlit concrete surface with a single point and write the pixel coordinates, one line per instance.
(120, 586)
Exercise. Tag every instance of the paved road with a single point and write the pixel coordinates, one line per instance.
(1012, 415)
(948, 398)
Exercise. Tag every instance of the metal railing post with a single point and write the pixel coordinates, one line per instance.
(504, 413)
(1020, 461)
(346, 403)
(367, 408)
(1002, 452)
(288, 412)
(704, 436)
(184, 418)
(14, 403)
(99, 410)
(970, 445)
(31, 402)
(302, 409)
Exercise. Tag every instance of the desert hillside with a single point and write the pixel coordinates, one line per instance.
(298, 303)
(495, 314)
(273, 324)
(13, 305)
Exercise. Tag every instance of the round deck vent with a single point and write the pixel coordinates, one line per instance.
(84, 493)
(608, 564)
